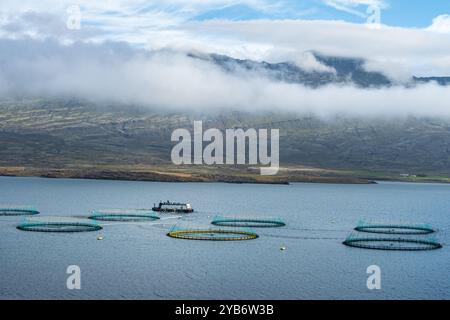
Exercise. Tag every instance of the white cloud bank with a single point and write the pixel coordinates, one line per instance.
(441, 24)
(162, 24)
(116, 73)
(416, 51)
(108, 71)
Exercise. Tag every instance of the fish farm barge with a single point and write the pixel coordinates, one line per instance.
(173, 207)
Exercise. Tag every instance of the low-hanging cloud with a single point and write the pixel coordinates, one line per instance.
(419, 51)
(116, 73)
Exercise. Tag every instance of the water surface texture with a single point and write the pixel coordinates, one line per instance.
(138, 260)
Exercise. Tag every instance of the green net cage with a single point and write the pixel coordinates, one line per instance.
(248, 222)
(392, 243)
(58, 225)
(398, 229)
(125, 215)
(17, 211)
(211, 234)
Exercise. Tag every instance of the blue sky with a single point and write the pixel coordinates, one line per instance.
(414, 13)
(399, 13)
(413, 36)
(402, 13)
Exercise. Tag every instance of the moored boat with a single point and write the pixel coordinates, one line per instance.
(173, 207)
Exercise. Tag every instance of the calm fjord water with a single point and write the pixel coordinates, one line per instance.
(138, 260)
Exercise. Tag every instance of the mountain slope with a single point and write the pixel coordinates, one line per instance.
(57, 134)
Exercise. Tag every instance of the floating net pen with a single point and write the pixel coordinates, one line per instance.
(248, 222)
(125, 215)
(392, 243)
(400, 229)
(211, 234)
(17, 211)
(58, 225)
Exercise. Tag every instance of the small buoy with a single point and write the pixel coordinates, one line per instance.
(100, 238)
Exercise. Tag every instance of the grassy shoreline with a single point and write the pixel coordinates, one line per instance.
(226, 174)
(187, 174)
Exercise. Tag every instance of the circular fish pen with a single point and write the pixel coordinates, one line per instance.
(393, 244)
(395, 229)
(248, 223)
(117, 215)
(212, 235)
(58, 225)
(17, 211)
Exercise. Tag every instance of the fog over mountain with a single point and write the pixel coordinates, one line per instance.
(113, 72)
(251, 55)
(318, 70)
